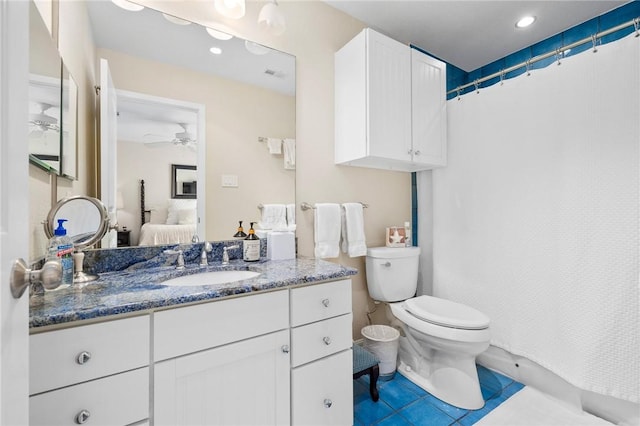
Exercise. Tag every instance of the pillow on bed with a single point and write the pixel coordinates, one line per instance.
(187, 216)
(158, 216)
(175, 206)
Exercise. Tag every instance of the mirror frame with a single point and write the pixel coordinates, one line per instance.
(50, 223)
(174, 182)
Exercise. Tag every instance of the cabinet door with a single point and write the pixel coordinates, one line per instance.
(244, 383)
(389, 103)
(429, 113)
(323, 392)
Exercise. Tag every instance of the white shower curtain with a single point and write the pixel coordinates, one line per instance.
(536, 216)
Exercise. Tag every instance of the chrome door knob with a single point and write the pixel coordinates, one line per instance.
(326, 302)
(328, 403)
(327, 340)
(21, 276)
(285, 349)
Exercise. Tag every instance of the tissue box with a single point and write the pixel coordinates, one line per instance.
(395, 236)
(281, 245)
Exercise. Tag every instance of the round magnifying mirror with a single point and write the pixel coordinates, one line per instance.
(87, 222)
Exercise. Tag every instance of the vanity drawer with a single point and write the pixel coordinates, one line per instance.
(322, 392)
(320, 339)
(121, 399)
(72, 355)
(194, 328)
(321, 301)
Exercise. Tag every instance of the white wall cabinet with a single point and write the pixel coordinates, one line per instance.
(390, 105)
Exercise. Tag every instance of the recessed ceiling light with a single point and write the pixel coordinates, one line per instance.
(525, 21)
(127, 5)
(215, 50)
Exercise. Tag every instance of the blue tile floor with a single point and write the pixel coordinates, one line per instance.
(404, 403)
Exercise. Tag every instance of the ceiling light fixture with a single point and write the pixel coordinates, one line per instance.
(215, 50)
(255, 48)
(271, 19)
(220, 33)
(127, 5)
(234, 9)
(525, 21)
(175, 20)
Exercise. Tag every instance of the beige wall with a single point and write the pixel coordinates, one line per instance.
(78, 52)
(236, 114)
(314, 32)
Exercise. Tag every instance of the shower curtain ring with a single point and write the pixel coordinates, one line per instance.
(594, 41)
(477, 84)
(458, 89)
(558, 55)
(636, 25)
(502, 75)
(528, 64)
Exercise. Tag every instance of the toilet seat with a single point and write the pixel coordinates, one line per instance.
(446, 313)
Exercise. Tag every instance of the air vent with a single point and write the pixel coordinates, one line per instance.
(274, 73)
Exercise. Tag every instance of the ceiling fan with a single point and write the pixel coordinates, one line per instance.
(40, 122)
(183, 138)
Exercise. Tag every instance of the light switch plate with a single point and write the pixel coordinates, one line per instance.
(229, 181)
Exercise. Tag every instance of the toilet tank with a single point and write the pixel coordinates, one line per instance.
(392, 273)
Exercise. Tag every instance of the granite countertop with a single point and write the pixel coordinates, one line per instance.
(132, 290)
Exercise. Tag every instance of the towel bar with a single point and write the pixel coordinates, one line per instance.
(306, 206)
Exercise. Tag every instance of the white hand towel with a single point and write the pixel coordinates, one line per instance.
(274, 145)
(274, 217)
(291, 217)
(289, 153)
(353, 240)
(327, 230)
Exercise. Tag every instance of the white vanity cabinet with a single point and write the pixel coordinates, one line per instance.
(321, 360)
(390, 105)
(96, 374)
(223, 363)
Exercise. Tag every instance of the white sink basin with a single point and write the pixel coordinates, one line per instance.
(211, 278)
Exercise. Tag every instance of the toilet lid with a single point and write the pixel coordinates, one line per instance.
(447, 313)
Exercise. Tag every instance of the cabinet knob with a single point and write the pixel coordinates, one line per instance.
(386, 264)
(410, 152)
(326, 302)
(83, 357)
(326, 340)
(285, 349)
(328, 403)
(82, 417)
(417, 152)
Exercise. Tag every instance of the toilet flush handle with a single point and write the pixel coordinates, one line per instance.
(387, 264)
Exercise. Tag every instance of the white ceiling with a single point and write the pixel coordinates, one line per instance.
(471, 34)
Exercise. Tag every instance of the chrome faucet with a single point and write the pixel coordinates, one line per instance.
(180, 260)
(206, 248)
(225, 253)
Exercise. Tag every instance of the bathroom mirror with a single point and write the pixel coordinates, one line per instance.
(45, 95)
(69, 122)
(184, 180)
(87, 220)
(246, 95)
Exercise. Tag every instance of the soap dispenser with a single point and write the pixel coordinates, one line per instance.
(251, 246)
(61, 248)
(240, 234)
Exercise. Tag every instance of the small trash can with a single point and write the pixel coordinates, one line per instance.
(382, 340)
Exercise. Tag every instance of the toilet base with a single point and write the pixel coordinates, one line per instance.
(449, 385)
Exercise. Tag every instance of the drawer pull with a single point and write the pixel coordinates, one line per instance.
(326, 340)
(83, 357)
(82, 417)
(326, 302)
(285, 349)
(328, 403)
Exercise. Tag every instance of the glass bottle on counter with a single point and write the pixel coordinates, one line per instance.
(251, 246)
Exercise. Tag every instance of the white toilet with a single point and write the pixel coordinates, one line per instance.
(440, 339)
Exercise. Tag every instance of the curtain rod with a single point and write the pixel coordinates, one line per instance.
(593, 39)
